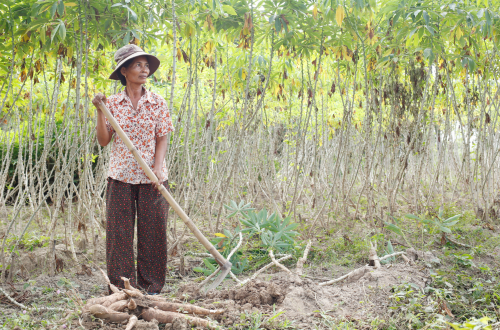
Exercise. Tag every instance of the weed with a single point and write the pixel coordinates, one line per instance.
(454, 296)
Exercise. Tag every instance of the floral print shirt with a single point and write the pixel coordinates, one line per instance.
(142, 126)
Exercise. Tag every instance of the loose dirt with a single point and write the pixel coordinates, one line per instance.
(361, 298)
(301, 300)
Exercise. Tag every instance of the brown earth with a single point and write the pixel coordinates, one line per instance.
(302, 300)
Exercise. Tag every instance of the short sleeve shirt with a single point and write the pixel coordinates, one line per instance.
(142, 126)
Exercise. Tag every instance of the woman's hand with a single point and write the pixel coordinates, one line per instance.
(103, 135)
(98, 98)
(161, 149)
(157, 170)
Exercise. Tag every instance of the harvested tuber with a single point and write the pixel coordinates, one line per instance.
(128, 286)
(107, 300)
(149, 314)
(118, 306)
(131, 322)
(111, 286)
(133, 293)
(184, 308)
(107, 314)
(132, 304)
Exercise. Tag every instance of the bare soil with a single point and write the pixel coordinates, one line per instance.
(362, 298)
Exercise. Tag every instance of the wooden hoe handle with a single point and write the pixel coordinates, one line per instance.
(180, 212)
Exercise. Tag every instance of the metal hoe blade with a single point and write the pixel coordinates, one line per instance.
(224, 270)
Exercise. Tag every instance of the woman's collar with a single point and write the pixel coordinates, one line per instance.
(147, 94)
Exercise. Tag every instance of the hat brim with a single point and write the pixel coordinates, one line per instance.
(154, 64)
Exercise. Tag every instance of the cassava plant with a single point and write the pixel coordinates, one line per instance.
(437, 224)
(263, 231)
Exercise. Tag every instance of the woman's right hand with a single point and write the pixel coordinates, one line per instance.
(98, 98)
(103, 135)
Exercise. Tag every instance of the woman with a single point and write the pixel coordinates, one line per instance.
(144, 117)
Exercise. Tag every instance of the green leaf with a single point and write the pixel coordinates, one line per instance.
(412, 216)
(199, 270)
(277, 25)
(428, 54)
(392, 227)
(62, 31)
(396, 17)
(43, 30)
(53, 9)
(53, 34)
(132, 14)
(413, 32)
(449, 224)
(107, 24)
(390, 248)
(228, 9)
(453, 218)
(445, 229)
(430, 29)
(209, 265)
(60, 8)
(426, 17)
(126, 38)
(275, 316)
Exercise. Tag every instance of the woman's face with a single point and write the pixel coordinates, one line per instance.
(137, 71)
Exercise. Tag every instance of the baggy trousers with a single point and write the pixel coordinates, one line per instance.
(123, 202)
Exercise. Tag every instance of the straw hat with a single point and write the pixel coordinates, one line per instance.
(128, 52)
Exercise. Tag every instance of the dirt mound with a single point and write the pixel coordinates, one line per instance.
(31, 263)
(255, 296)
(256, 293)
(365, 297)
(189, 291)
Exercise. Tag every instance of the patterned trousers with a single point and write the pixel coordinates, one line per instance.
(123, 202)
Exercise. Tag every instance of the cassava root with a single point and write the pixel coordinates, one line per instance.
(110, 308)
(300, 263)
(183, 308)
(131, 322)
(118, 306)
(149, 314)
(108, 300)
(107, 314)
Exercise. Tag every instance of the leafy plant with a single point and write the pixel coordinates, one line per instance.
(473, 324)
(438, 223)
(464, 260)
(388, 250)
(395, 228)
(237, 208)
(29, 242)
(225, 242)
(272, 233)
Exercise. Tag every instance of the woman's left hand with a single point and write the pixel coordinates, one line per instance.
(157, 170)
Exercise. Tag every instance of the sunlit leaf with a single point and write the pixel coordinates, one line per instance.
(228, 9)
(339, 15)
